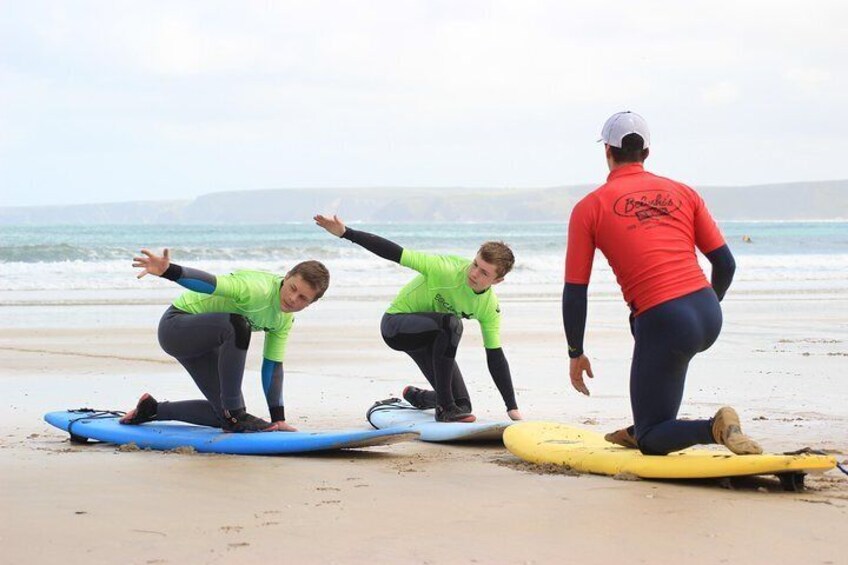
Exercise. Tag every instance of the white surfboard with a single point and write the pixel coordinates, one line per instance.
(397, 413)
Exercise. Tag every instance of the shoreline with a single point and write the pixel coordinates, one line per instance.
(506, 295)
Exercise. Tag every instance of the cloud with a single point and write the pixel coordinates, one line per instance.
(720, 94)
(470, 92)
(809, 79)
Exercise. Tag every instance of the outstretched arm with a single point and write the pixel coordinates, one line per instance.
(499, 369)
(161, 266)
(374, 243)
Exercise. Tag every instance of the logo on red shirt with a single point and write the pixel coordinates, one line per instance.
(646, 205)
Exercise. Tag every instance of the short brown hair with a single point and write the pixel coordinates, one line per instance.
(313, 273)
(499, 254)
(632, 149)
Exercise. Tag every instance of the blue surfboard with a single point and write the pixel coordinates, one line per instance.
(393, 413)
(104, 426)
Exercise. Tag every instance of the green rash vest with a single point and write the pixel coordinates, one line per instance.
(252, 294)
(443, 287)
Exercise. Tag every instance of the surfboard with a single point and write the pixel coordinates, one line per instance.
(587, 451)
(104, 426)
(394, 412)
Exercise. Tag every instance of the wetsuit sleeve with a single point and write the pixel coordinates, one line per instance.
(272, 384)
(375, 244)
(580, 252)
(724, 266)
(707, 235)
(579, 257)
(192, 279)
(574, 317)
(499, 369)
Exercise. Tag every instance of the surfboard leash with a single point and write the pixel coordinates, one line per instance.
(92, 414)
(808, 450)
(387, 404)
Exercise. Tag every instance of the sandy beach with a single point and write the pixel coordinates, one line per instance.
(626, 139)
(780, 360)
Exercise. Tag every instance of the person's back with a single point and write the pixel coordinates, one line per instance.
(647, 227)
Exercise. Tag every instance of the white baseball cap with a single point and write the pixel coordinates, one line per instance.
(622, 124)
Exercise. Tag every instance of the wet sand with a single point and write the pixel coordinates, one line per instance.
(780, 360)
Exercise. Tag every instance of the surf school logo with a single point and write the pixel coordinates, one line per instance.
(646, 205)
(440, 300)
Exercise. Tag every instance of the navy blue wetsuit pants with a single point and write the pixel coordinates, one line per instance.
(667, 337)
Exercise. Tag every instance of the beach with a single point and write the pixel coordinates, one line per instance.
(151, 150)
(780, 360)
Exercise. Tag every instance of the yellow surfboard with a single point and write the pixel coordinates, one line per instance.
(588, 452)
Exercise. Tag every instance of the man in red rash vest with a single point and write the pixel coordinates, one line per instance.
(648, 228)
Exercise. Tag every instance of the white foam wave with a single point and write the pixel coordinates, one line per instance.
(355, 270)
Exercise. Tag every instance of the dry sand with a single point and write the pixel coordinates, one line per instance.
(780, 360)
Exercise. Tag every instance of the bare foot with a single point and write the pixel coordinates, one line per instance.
(128, 417)
(144, 411)
(728, 431)
(281, 427)
(622, 437)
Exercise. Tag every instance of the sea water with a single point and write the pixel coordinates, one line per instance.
(91, 265)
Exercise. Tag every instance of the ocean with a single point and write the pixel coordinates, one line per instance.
(55, 265)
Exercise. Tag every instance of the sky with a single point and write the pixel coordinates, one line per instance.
(124, 101)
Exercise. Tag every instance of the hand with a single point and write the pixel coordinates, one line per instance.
(514, 414)
(281, 426)
(575, 371)
(333, 225)
(152, 264)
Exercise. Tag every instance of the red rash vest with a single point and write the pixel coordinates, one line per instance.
(647, 227)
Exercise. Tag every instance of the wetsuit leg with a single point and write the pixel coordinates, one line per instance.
(459, 390)
(667, 337)
(204, 370)
(200, 412)
(424, 359)
(431, 339)
(212, 347)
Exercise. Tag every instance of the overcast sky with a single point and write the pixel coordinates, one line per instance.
(114, 101)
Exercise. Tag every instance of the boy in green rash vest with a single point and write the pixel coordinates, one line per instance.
(208, 328)
(425, 319)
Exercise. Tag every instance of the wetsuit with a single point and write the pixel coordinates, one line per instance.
(208, 331)
(425, 319)
(648, 228)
